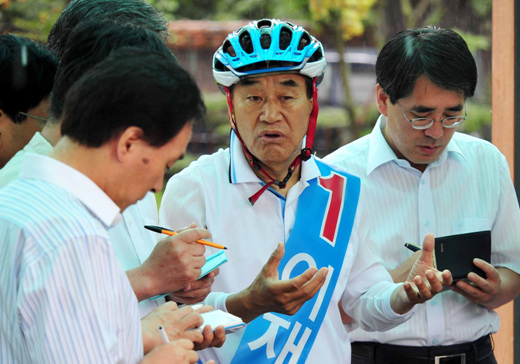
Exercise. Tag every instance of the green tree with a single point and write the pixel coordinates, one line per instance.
(343, 20)
(30, 18)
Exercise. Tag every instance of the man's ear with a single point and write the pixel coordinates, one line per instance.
(129, 142)
(382, 100)
(231, 117)
(4, 120)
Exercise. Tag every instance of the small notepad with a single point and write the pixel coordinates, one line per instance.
(217, 318)
(212, 262)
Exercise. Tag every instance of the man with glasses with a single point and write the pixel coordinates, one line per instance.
(26, 77)
(420, 176)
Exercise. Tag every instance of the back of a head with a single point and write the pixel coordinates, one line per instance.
(27, 72)
(91, 42)
(439, 54)
(131, 87)
(135, 12)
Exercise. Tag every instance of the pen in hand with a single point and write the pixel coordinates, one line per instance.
(412, 247)
(163, 334)
(162, 230)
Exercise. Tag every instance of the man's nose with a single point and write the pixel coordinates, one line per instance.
(271, 112)
(436, 130)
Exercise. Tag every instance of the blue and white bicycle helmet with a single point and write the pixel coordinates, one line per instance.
(265, 46)
(270, 46)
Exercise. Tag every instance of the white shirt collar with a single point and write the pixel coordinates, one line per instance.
(379, 152)
(242, 172)
(84, 189)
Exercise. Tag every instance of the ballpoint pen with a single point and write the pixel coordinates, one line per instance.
(412, 247)
(163, 334)
(162, 230)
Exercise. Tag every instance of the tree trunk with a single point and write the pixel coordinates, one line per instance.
(339, 44)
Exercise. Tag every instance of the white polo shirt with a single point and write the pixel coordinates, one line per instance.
(214, 191)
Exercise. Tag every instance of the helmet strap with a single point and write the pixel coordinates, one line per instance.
(304, 155)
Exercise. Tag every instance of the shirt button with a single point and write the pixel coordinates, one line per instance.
(426, 223)
(423, 182)
(435, 341)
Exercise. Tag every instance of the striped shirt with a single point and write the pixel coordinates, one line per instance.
(468, 188)
(64, 297)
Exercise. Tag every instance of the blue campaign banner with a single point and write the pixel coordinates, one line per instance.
(320, 236)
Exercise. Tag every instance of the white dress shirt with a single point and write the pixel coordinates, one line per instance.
(64, 298)
(468, 188)
(37, 145)
(214, 191)
(132, 243)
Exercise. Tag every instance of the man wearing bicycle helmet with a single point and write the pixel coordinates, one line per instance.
(266, 193)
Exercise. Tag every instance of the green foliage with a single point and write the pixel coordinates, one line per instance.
(475, 42)
(32, 18)
(217, 120)
(167, 7)
(346, 16)
(479, 120)
(257, 9)
(482, 7)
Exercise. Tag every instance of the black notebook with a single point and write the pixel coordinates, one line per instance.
(456, 253)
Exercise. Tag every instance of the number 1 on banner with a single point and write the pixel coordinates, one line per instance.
(335, 184)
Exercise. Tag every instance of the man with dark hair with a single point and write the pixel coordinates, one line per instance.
(64, 295)
(26, 76)
(171, 265)
(419, 176)
(288, 219)
(135, 12)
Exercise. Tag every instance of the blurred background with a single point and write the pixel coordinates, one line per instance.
(352, 32)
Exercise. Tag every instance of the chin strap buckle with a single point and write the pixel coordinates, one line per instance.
(306, 154)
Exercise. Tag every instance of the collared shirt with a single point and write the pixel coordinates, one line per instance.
(132, 243)
(37, 145)
(214, 191)
(468, 188)
(64, 297)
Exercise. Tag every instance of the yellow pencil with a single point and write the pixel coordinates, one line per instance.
(165, 231)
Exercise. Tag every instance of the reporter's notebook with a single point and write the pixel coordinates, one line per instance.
(212, 262)
(217, 318)
(456, 253)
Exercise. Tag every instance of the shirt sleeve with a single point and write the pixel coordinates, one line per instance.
(183, 202)
(76, 304)
(368, 292)
(505, 232)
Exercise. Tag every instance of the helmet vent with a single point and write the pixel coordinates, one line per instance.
(245, 42)
(285, 38)
(305, 40)
(265, 41)
(228, 48)
(264, 23)
(219, 66)
(318, 55)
